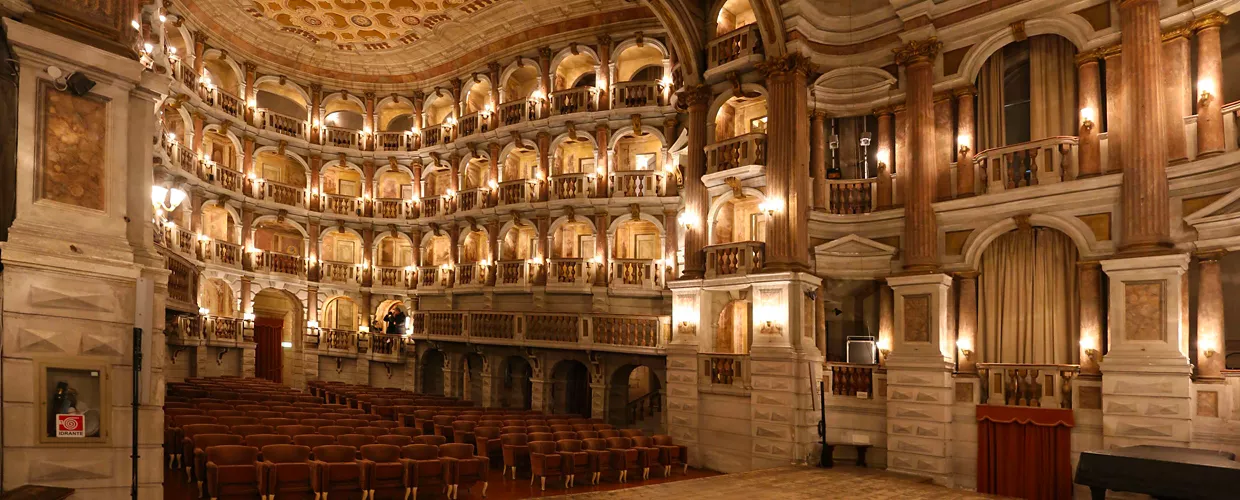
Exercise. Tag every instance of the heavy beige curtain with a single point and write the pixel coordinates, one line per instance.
(991, 131)
(1028, 298)
(1052, 87)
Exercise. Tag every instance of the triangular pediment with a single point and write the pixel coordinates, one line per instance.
(1226, 207)
(855, 246)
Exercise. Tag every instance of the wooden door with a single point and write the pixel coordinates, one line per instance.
(269, 355)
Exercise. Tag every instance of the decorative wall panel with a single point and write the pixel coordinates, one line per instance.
(917, 318)
(72, 148)
(1143, 310)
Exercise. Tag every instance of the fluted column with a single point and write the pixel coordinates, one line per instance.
(1209, 84)
(818, 158)
(251, 75)
(1090, 314)
(886, 320)
(886, 145)
(697, 200)
(540, 275)
(200, 48)
(1211, 353)
(247, 165)
(602, 76)
(316, 112)
(544, 62)
(1146, 214)
(247, 238)
(493, 70)
(787, 169)
(316, 164)
(901, 157)
(820, 321)
(313, 251)
(368, 187)
(544, 166)
(966, 141)
(670, 244)
(966, 322)
(602, 167)
(369, 127)
(368, 259)
(1177, 92)
(246, 295)
(199, 123)
(493, 249)
(601, 249)
(1089, 148)
(1116, 119)
(670, 187)
(921, 248)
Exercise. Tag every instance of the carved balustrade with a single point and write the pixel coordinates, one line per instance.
(572, 186)
(389, 208)
(511, 273)
(283, 194)
(393, 277)
(342, 137)
(624, 330)
(392, 141)
(1044, 161)
(852, 379)
(852, 196)
(434, 135)
(514, 112)
(1043, 386)
(726, 370)
(283, 124)
(629, 183)
(735, 45)
(346, 273)
(574, 100)
(735, 259)
(279, 263)
(739, 151)
(515, 191)
(636, 273)
(553, 327)
(636, 94)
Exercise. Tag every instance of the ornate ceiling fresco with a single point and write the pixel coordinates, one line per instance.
(395, 41)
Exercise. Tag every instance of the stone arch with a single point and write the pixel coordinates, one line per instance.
(1076, 230)
(286, 320)
(294, 224)
(627, 130)
(331, 311)
(239, 73)
(712, 115)
(767, 17)
(512, 67)
(515, 386)
(471, 372)
(718, 204)
(623, 390)
(305, 166)
(218, 297)
(342, 96)
(430, 371)
(234, 236)
(570, 388)
(1074, 28)
(560, 139)
(287, 83)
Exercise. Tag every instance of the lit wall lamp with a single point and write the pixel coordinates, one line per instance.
(966, 348)
(492, 184)
(962, 143)
(1205, 91)
(1087, 118)
(537, 95)
(363, 328)
(1091, 348)
(687, 220)
(204, 311)
(769, 207)
(1208, 348)
(884, 347)
(166, 197)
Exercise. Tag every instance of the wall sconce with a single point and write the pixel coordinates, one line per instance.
(687, 220)
(203, 238)
(135, 25)
(965, 346)
(252, 104)
(540, 176)
(202, 311)
(1208, 348)
(1087, 118)
(248, 316)
(415, 130)
(286, 345)
(771, 328)
(882, 157)
(962, 143)
(597, 260)
(167, 198)
(492, 184)
(537, 95)
(769, 207)
(884, 347)
(666, 82)
(363, 328)
(1090, 346)
(1205, 91)
(148, 48)
(450, 193)
(450, 121)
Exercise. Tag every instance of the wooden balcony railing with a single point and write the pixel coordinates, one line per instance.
(623, 333)
(389, 208)
(636, 94)
(338, 340)
(572, 186)
(346, 273)
(634, 331)
(471, 124)
(739, 151)
(636, 273)
(434, 277)
(393, 277)
(553, 327)
(279, 263)
(1044, 161)
(434, 135)
(515, 191)
(184, 73)
(494, 325)
(448, 324)
(472, 199)
(514, 112)
(628, 183)
(227, 102)
(511, 273)
(342, 137)
(574, 100)
(183, 280)
(852, 379)
(735, 259)
(1044, 386)
(392, 141)
(432, 207)
(725, 370)
(471, 274)
(852, 196)
(283, 194)
(340, 204)
(284, 124)
(568, 271)
(186, 327)
(227, 178)
(222, 252)
(224, 329)
(739, 43)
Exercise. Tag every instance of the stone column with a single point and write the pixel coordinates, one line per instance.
(199, 124)
(493, 249)
(312, 268)
(368, 258)
(368, 187)
(671, 244)
(602, 76)
(966, 322)
(601, 250)
(251, 75)
(697, 200)
(544, 166)
(200, 48)
(246, 294)
(544, 62)
(818, 159)
(1177, 92)
(820, 315)
(493, 150)
(886, 320)
(901, 157)
(247, 165)
(966, 141)
(1089, 289)
(247, 237)
(886, 149)
(1145, 204)
(1211, 351)
(1089, 147)
(369, 127)
(416, 166)
(454, 172)
(316, 112)
(539, 276)
(945, 142)
(1209, 81)
(602, 135)
(493, 71)
(787, 153)
(920, 245)
(316, 165)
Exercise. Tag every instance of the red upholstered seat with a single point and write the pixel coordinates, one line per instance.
(608, 433)
(463, 432)
(433, 440)
(247, 429)
(574, 459)
(647, 455)
(397, 440)
(515, 451)
(371, 431)
(261, 440)
(278, 421)
(173, 436)
(423, 468)
(357, 441)
(487, 443)
(562, 435)
(335, 430)
(383, 469)
(545, 461)
(285, 469)
(335, 469)
(187, 442)
(443, 425)
(232, 470)
(295, 430)
(202, 443)
(600, 458)
(623, 456)
(464, 467)
(671, 453)
(406, 431)
(313, 440)
(630, 433)
(236, 420)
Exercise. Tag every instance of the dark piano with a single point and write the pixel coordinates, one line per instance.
(1160, 471)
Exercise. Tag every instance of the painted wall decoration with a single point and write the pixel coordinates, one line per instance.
(72, 148)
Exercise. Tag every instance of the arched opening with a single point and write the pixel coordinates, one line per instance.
(342, 256)
(391, 317)
(732, 328)
(174, 125)
(570, 388)
(438, 182)
(520, 83)
(515, 387)
(738, 219)
(178, 46)
(637, 239)
(638, 152)
(734, 15)
(635, 399)
(281, 170)
(432, 372)
(438, 108)
(573, 240)
(216, 296)
(393, 251)
(275, 323)
(472, 371)
(573, 156)
(219, 74)
(343, 113)
(341, 185)
(519, 243)
(395, 115)
(341, 313)
(278, 237)
(640, 63)
(519, 164)
(394, 184)
(1026, 92)
(474, 248)
(478, 97)
(437, 251)
(219, 224)
(739, 116)
(271, 96)
(1027, 299)
(574, 71)
(220, 150)
(474, 175)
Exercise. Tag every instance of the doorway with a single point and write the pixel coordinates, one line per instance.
(268, 354)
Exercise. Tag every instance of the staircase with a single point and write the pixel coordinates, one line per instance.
(646, 413)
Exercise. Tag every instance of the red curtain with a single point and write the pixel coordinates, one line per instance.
(269, 355)
(1024, 452)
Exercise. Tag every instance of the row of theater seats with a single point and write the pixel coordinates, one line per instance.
(231, 444)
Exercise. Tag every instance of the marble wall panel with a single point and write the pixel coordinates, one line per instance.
(72, 148)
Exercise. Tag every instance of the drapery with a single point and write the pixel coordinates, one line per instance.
(1024, 452)
(991, 130)
(1028, 298)
(1052, 87)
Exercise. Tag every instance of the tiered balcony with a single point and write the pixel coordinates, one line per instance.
(185, 159)
(283, 194)
(636, 183)
(225, 177)
(383, 347)
(514, 112)
(284, 124)
(636, 94)
(512, 273)
(854, 196)
(575, 100)
(435, 277)
(393, 277)
(852, 380)
(1044, 161)
(222, 253)
(342, 137)
(390, 208)
(742, 44)
(434, 206)
(182, 280)
(471, 124)
(344, 273)
(471, 275)
(735, 259)
(472, 199)
(636, 274)
(1043, 386)
(184, 73)
(392, 141)
(338, 204)
(276, 262)
(572, 186)
(568, 273)
(627, 333)
(516, 191)
(435, 135)
(180, 240)
(338, 342)
(227, 102)
(221, 331)
(725, 373)
(739, 151)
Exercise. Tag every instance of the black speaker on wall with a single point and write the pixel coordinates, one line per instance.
(862, 349)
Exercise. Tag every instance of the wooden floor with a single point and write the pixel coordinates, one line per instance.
(176, 487)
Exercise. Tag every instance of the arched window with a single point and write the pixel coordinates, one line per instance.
(1027, 298)
(1026, 92)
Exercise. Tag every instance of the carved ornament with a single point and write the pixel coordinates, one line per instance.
(787, 64)
(918, 51)
(1212, 20)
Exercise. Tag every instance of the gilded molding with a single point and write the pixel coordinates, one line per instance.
(1209, 255)
(1180, 31)
(917, 51)
(1089, 56)
(1112, 50)
(779, 65)
(1212, 20)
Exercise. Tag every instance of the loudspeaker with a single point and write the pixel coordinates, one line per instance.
(861, 349)
(79, 84)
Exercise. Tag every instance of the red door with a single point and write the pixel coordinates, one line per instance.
(268, 356)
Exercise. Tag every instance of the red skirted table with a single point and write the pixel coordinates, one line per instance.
(1024, 452)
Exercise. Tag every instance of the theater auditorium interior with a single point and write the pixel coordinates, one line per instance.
(619, 249)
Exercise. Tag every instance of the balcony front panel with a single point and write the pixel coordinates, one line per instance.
(435, 135)
(226, 178)
(739, 151)
(568, 273)
(1039, 386)
(628, 331)
(390, 208)
(636, 94)
(222, 253)
(392, 141)
(574, 100)
(470, 274)
(734, 259)
(553, 327)
(434, 278)
(472, 199)
(572, 186)
(511, 273)
(853, 196)
(338, 341)
(734, 46)
(392, 277)
(282, 124)
(729, 372)
(344, 273)
(515, 191)
(640, 274)
(225, 101)
(499, 326)
(638, 183)
(275, 262)
(514, 112)
(339, 204)
(471, 124)
(1044, 161)
(283, 194)
(342, 137)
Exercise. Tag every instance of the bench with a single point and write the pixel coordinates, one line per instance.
(861, 449)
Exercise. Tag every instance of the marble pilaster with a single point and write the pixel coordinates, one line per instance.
(920, 244)
(787, 169)
(1211, 352)
(1210, 138)
(697, 200)
(1145, 203)
(1089, 147)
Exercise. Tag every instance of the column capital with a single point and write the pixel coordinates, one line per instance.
(693, 95)
(1088, 265)
(818, 114)
(1212, 20)
(967, 90)
(1089, 56)
(883, 110)
(604, 40)
(1179, 31)
(916, 51)
(945, 95)
(1209, 255)
(967, 275)
(1110, 51)
(779, 65)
